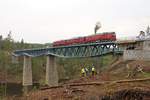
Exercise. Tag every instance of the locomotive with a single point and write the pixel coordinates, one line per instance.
(101, 37)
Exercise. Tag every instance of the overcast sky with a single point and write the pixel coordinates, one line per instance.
(42, 21)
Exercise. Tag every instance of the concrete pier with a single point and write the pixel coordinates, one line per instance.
(27, 71)
(51, 71)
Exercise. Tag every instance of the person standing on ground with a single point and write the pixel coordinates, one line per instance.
(83, 73)
(93, 71)
(86, 71)
(129, 71)
(139, 69)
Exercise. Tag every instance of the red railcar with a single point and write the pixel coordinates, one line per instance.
(107, 36)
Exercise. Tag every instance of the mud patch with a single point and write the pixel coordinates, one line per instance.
(132, 94)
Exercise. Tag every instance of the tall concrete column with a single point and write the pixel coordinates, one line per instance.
(51, 71)
(27, 71)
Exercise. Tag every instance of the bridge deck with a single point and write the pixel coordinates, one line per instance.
(81, 50)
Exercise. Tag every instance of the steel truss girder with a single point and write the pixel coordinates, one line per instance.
(83, 50)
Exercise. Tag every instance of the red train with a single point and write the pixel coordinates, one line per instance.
(107, 36)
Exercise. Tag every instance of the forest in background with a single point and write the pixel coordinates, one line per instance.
(67, 68)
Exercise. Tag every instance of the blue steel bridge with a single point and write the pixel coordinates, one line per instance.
(73, 51)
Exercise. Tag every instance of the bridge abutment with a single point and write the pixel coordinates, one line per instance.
(51, 71)
(142, 51)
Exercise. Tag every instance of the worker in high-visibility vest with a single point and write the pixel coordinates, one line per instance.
(83, 72)
(93, 71)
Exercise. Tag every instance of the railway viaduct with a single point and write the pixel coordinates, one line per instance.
(74, 51)
(130, 50)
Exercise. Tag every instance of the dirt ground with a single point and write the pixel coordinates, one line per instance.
(93, 91)
(109, 85)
